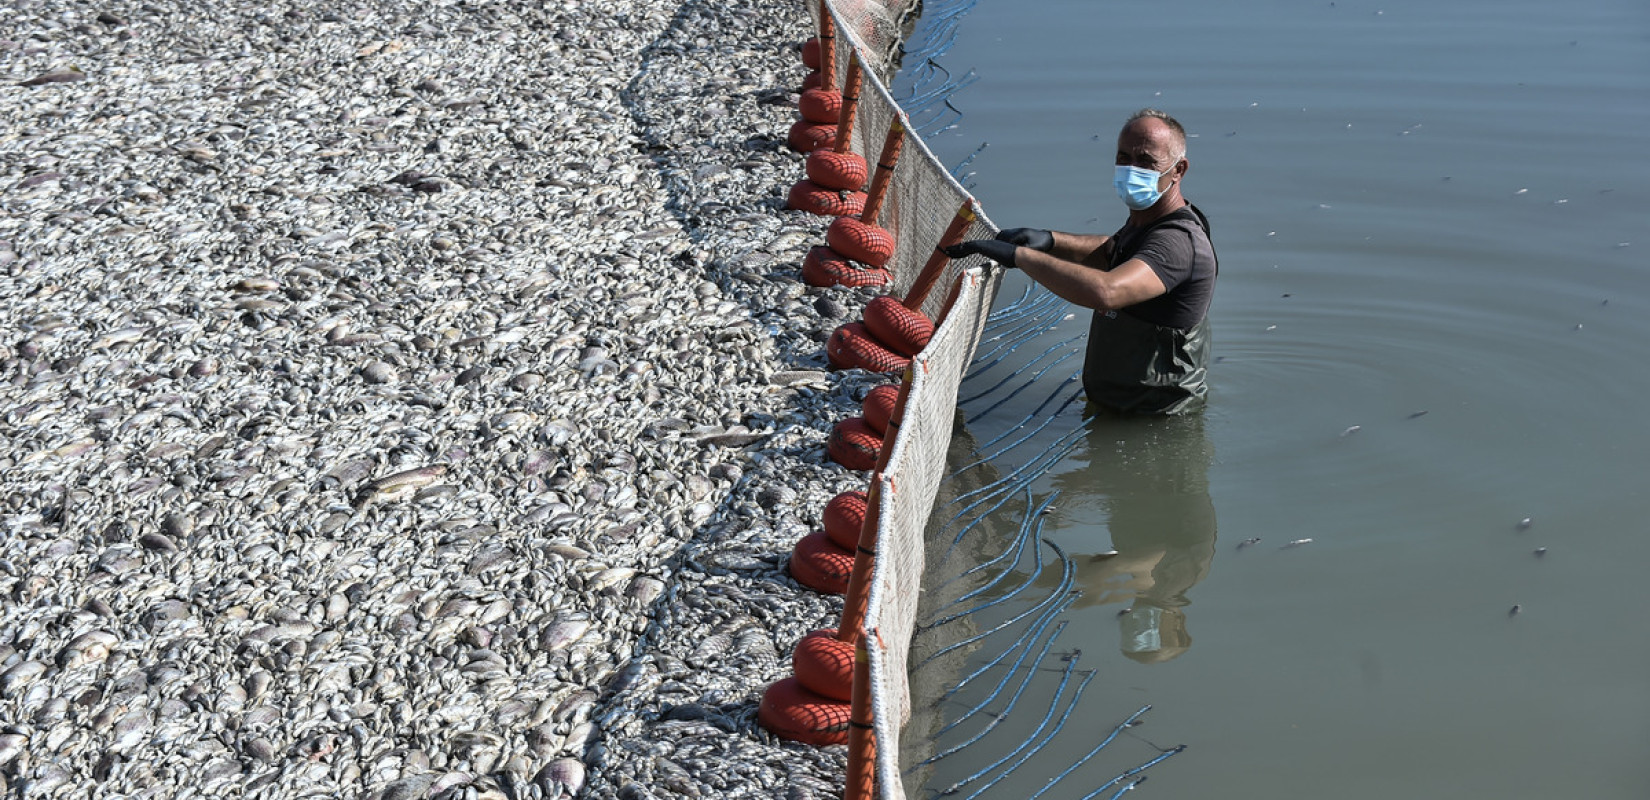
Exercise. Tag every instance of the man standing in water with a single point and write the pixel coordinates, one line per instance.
(1149, 284)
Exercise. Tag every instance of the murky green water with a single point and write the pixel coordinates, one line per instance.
(1419, 207)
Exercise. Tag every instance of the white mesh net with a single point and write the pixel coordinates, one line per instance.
(921, 204)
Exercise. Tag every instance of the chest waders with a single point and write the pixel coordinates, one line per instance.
(1137, 367)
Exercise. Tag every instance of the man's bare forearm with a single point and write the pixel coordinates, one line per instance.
(1082, 248)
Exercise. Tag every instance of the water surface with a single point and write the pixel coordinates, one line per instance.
(1433, 323)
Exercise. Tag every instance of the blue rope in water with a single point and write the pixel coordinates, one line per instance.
(1131, 773)
(1008, 309)
(1062, 592)
(1011, 489)
(1018, 692)
(957, 173)
(1053, 705)
(1054, 597)
(1065, 716)
(1033, 326)
(1097, 748)
(1021, 424)
(1016, 373)
(1032, 528)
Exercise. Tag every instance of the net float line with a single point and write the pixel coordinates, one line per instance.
(823, 661)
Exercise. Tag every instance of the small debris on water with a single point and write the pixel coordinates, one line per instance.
(1247, 542)
(1417, 414)
(1540, 551)
(1513, 612)
(1296, 543)
(1525, 523)
(1352, 430)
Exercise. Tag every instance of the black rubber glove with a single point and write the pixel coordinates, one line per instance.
(1000, 252)
(1034, 238)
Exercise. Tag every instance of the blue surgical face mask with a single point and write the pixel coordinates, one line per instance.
(1137, 187)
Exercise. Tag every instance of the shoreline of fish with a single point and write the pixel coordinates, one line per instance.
(406, 400)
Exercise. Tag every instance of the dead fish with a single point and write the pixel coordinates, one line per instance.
(1352, 430)
(1513, 612)
(1247, 542)
(69, 75)
(1296, 543)
(1525, 523)
(401, 482)
(562, 633)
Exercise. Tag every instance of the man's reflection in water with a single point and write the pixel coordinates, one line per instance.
(1149, 477)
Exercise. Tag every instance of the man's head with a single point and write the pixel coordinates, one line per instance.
(1151, 141)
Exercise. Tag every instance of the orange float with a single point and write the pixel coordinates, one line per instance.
(878, 408)
(860, 240)
(820, 105)
(808, 196)
(853, 444)
(844, 517)
(790, 711)
(817, 563)
(806, 137)
(834, 169)
(824, 664)
(902, 329)
(826, 267)
(853, 347)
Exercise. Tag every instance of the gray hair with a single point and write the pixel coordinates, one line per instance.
(1174, 125)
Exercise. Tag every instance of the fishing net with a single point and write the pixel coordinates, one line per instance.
(923, 204)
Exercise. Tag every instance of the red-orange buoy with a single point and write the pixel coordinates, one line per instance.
(790, 711)
(817, 563)
(813, 80)
(844, 518)
(826, 267)
(853, 444)
(904, 331)
(824, 664)
(860, 241)
(810, 53)
(806, 137)
(834, 170)
(820, 105)
(878, 408)
(815, 199)
(852, 347)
